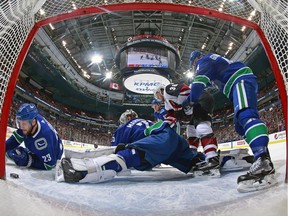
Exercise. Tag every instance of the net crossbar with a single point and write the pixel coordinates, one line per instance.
(21, 19)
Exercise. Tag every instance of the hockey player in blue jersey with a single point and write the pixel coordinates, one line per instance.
(238, 83)
(159, 111)
(43, 146)
(161, 144)
(130, 133)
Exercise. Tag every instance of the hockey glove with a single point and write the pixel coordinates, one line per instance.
(188, 110)
(20, 156)
(187, 106)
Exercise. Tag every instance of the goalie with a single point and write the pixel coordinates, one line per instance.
(161, 144)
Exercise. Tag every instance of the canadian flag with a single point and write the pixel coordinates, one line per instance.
(114, 86)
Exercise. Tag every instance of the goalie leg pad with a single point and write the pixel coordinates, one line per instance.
(230, 163)
(238, 154)
(89, 153)
(96, 169)
(89, 170)
(235, 159)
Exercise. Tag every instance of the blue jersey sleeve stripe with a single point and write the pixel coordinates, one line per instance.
(241, 72)
(18, 137)
(201, 79)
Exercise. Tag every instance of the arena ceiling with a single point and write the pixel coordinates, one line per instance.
(80, 38)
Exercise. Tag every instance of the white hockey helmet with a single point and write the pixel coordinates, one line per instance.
(124, 116)
(159, 89)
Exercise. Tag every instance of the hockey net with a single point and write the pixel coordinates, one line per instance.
(20, 20)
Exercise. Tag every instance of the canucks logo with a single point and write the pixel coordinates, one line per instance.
(40, 143)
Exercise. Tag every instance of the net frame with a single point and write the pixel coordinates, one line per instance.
(25, 14)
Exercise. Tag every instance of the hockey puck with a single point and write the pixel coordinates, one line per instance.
(14, 175)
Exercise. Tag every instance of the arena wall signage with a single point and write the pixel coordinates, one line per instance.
(144, 83)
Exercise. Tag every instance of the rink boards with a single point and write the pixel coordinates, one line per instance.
(274, 138)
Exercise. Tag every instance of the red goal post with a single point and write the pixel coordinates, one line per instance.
(21, 19)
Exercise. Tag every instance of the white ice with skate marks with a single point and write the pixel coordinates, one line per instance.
(162, 191)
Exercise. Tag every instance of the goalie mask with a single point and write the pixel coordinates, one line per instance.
(124, 118)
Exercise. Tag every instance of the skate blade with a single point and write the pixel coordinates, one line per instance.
(252, 185)
(213, 173)
(124, 173)
(59, 175)
(231, 169)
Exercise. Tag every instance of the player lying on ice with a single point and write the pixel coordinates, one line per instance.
(43, 146)
(152, 145)
(161, 144)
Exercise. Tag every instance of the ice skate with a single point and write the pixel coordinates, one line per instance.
(210, 168)
(66, 173)
(260, 176)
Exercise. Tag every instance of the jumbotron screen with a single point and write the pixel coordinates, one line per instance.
(147, 57)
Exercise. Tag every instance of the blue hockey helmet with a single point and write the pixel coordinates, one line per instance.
(156, 102)
(27, 112)
(195, 54)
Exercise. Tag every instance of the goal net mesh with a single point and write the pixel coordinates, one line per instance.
(17, 18)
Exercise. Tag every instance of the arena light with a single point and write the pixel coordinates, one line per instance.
(108, 75)
(189, 74)
(51, 26)
(96, 59)
(42, 12)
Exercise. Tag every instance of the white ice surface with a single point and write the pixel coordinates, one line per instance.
(163, 191)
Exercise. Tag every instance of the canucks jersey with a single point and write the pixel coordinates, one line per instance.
(130, 132)
(160, 115)
(45, 145)
(219, 70)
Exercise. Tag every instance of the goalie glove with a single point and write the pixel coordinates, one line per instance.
(20, 156)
